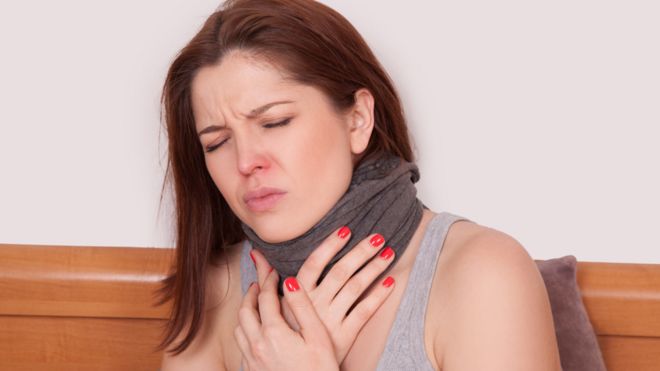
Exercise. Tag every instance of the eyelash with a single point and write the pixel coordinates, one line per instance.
(268, 126)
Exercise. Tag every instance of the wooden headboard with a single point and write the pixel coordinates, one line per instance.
(89, 308)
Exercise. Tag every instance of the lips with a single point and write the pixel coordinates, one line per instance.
(263, 199)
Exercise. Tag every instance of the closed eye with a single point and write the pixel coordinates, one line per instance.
(267, 126)
(276, 124)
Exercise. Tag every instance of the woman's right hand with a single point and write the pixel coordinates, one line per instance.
(339, 290)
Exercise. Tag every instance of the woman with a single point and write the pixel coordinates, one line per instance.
(288, 145)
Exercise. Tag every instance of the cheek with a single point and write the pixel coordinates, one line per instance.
(327, 156)
(222, 182)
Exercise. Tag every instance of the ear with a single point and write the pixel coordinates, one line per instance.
(361, 120)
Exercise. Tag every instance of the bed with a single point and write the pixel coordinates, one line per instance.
(90, 308)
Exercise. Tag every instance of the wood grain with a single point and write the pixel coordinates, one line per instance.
(78, 343)
(621, 299)
(90, 308)
(630, 353)
(82, 281)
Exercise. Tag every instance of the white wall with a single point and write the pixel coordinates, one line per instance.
(541, 119)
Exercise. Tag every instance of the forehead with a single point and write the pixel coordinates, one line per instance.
(240, 83)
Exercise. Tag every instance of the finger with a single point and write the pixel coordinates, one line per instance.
(269, 301)
(311, 327)
(288, 316)
(366, 308)
(356, 286)
(347, 265)
(248, 314)
(262, 266)
(311, 270)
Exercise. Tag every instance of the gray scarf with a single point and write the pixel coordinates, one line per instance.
(380, 199)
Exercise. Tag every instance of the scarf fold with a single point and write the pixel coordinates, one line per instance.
(381, 198)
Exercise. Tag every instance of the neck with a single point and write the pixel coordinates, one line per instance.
(405, 263)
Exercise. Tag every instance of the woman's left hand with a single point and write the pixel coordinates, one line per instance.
(265, 338)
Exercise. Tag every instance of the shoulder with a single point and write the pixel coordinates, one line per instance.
(223, 277)
(213, 345)
(497, 312)
(486, 250)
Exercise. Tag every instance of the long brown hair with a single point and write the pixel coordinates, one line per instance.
(313, 45)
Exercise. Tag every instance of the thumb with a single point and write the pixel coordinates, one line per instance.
(288, 316)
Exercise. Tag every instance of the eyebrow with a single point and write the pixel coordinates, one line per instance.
(253, 114)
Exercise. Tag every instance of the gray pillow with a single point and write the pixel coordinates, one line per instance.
(578, 345)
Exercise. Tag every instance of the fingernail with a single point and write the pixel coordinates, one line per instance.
(376, 240)
(387, 253)
(388, 281)
(291, 284)
(252, 257)
(343, 232)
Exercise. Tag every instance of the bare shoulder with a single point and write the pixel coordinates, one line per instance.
(469, 244)
(495, 308)
(211, 349)
(223, 279)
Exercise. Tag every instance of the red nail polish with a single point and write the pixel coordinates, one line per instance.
(387, 253)
(376, 240)
(291, 284)
(388, 281)
(343, 232)
(252, 257)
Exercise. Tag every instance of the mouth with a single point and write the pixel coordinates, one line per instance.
(263, 199)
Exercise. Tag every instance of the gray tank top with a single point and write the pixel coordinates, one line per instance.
(405, 348)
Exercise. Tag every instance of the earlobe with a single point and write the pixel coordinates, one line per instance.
(362, 120)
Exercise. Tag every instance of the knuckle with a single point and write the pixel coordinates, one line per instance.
(259, 349)
(367, 249)
(363, 313)
(317, 302)
(297, 305)
(270, 331)
(380, 263)
(315, 261)
(340, 272)
(354, 287)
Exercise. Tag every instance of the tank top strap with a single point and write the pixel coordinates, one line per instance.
(405, 349)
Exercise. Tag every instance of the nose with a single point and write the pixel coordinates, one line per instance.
(250, 156)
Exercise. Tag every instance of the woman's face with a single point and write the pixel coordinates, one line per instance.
(259, 130)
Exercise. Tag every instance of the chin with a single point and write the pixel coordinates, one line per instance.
(273, 236)
(286, 225)
(270, 230)
(280, 228)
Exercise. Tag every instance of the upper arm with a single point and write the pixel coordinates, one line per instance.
(500, 312)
